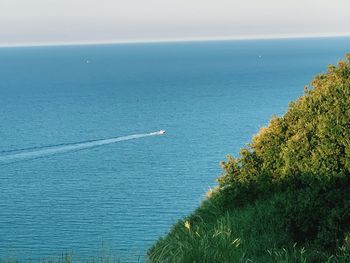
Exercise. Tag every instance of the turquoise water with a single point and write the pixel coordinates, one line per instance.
(117, 198)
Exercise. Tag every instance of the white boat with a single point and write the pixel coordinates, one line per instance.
(161, 132)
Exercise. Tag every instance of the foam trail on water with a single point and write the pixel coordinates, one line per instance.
(45, 151)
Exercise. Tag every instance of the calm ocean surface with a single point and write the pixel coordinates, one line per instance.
(118, 198)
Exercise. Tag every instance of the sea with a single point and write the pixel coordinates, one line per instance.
(84, 168)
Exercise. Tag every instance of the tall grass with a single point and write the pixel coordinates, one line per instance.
(250, 234)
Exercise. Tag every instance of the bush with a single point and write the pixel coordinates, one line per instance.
(289, 186)
(312, 138)
(305, 153)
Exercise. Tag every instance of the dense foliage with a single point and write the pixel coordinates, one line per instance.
(290, 184)
(305, 153)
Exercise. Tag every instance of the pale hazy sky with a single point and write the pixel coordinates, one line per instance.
(78, 21)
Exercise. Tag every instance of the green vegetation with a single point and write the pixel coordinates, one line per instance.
(286, 198)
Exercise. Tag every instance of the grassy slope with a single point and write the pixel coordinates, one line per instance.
(286, 198)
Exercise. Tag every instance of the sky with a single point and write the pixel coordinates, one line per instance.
(40, 22)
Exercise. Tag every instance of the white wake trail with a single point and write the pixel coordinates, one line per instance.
(45, 151)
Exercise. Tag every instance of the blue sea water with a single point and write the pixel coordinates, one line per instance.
(118, 198)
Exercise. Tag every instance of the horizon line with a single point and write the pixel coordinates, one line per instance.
(172, 40)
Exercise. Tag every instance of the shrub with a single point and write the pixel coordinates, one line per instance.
(306, 153)
(289, 186)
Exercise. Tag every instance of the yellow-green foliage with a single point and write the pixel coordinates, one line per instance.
(311, 139)
(305, 153)
(294, 177)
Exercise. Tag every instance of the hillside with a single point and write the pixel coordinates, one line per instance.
(286, 197)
